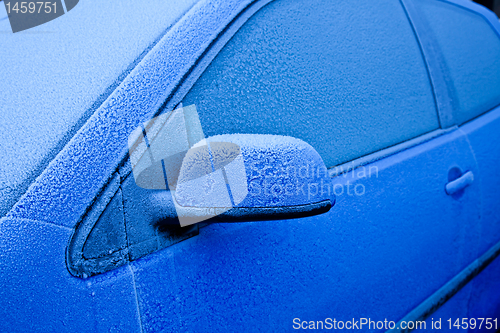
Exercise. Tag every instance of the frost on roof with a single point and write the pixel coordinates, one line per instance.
(54, 75)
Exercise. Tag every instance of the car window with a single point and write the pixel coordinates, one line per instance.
(347, 77)
(471, 50)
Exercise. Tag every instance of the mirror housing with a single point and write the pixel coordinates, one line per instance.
(250, 177)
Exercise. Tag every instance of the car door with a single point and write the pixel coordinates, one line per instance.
(349, 79)
(468, 37)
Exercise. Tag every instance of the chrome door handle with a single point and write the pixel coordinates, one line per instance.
(459, 184)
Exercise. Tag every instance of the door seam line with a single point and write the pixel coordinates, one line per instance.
(136, 298)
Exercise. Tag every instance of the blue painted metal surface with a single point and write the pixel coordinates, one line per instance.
(462, 291)
(484, 135)
(484, 297)
(266, 274)
(280, 171)
(367, 257)
(38, 294)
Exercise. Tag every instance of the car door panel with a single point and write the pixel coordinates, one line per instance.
(465, 38)
(485, 298)
(455, 308)
(376, 255)
(483, 134)
(39, 294)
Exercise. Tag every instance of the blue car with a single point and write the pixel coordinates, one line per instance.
(251, 166)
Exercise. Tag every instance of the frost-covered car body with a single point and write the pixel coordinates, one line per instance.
(399, 99)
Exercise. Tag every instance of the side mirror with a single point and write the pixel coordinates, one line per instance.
(248, 177)
(182, 178)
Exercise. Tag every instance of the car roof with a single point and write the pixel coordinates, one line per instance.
(54, 76)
